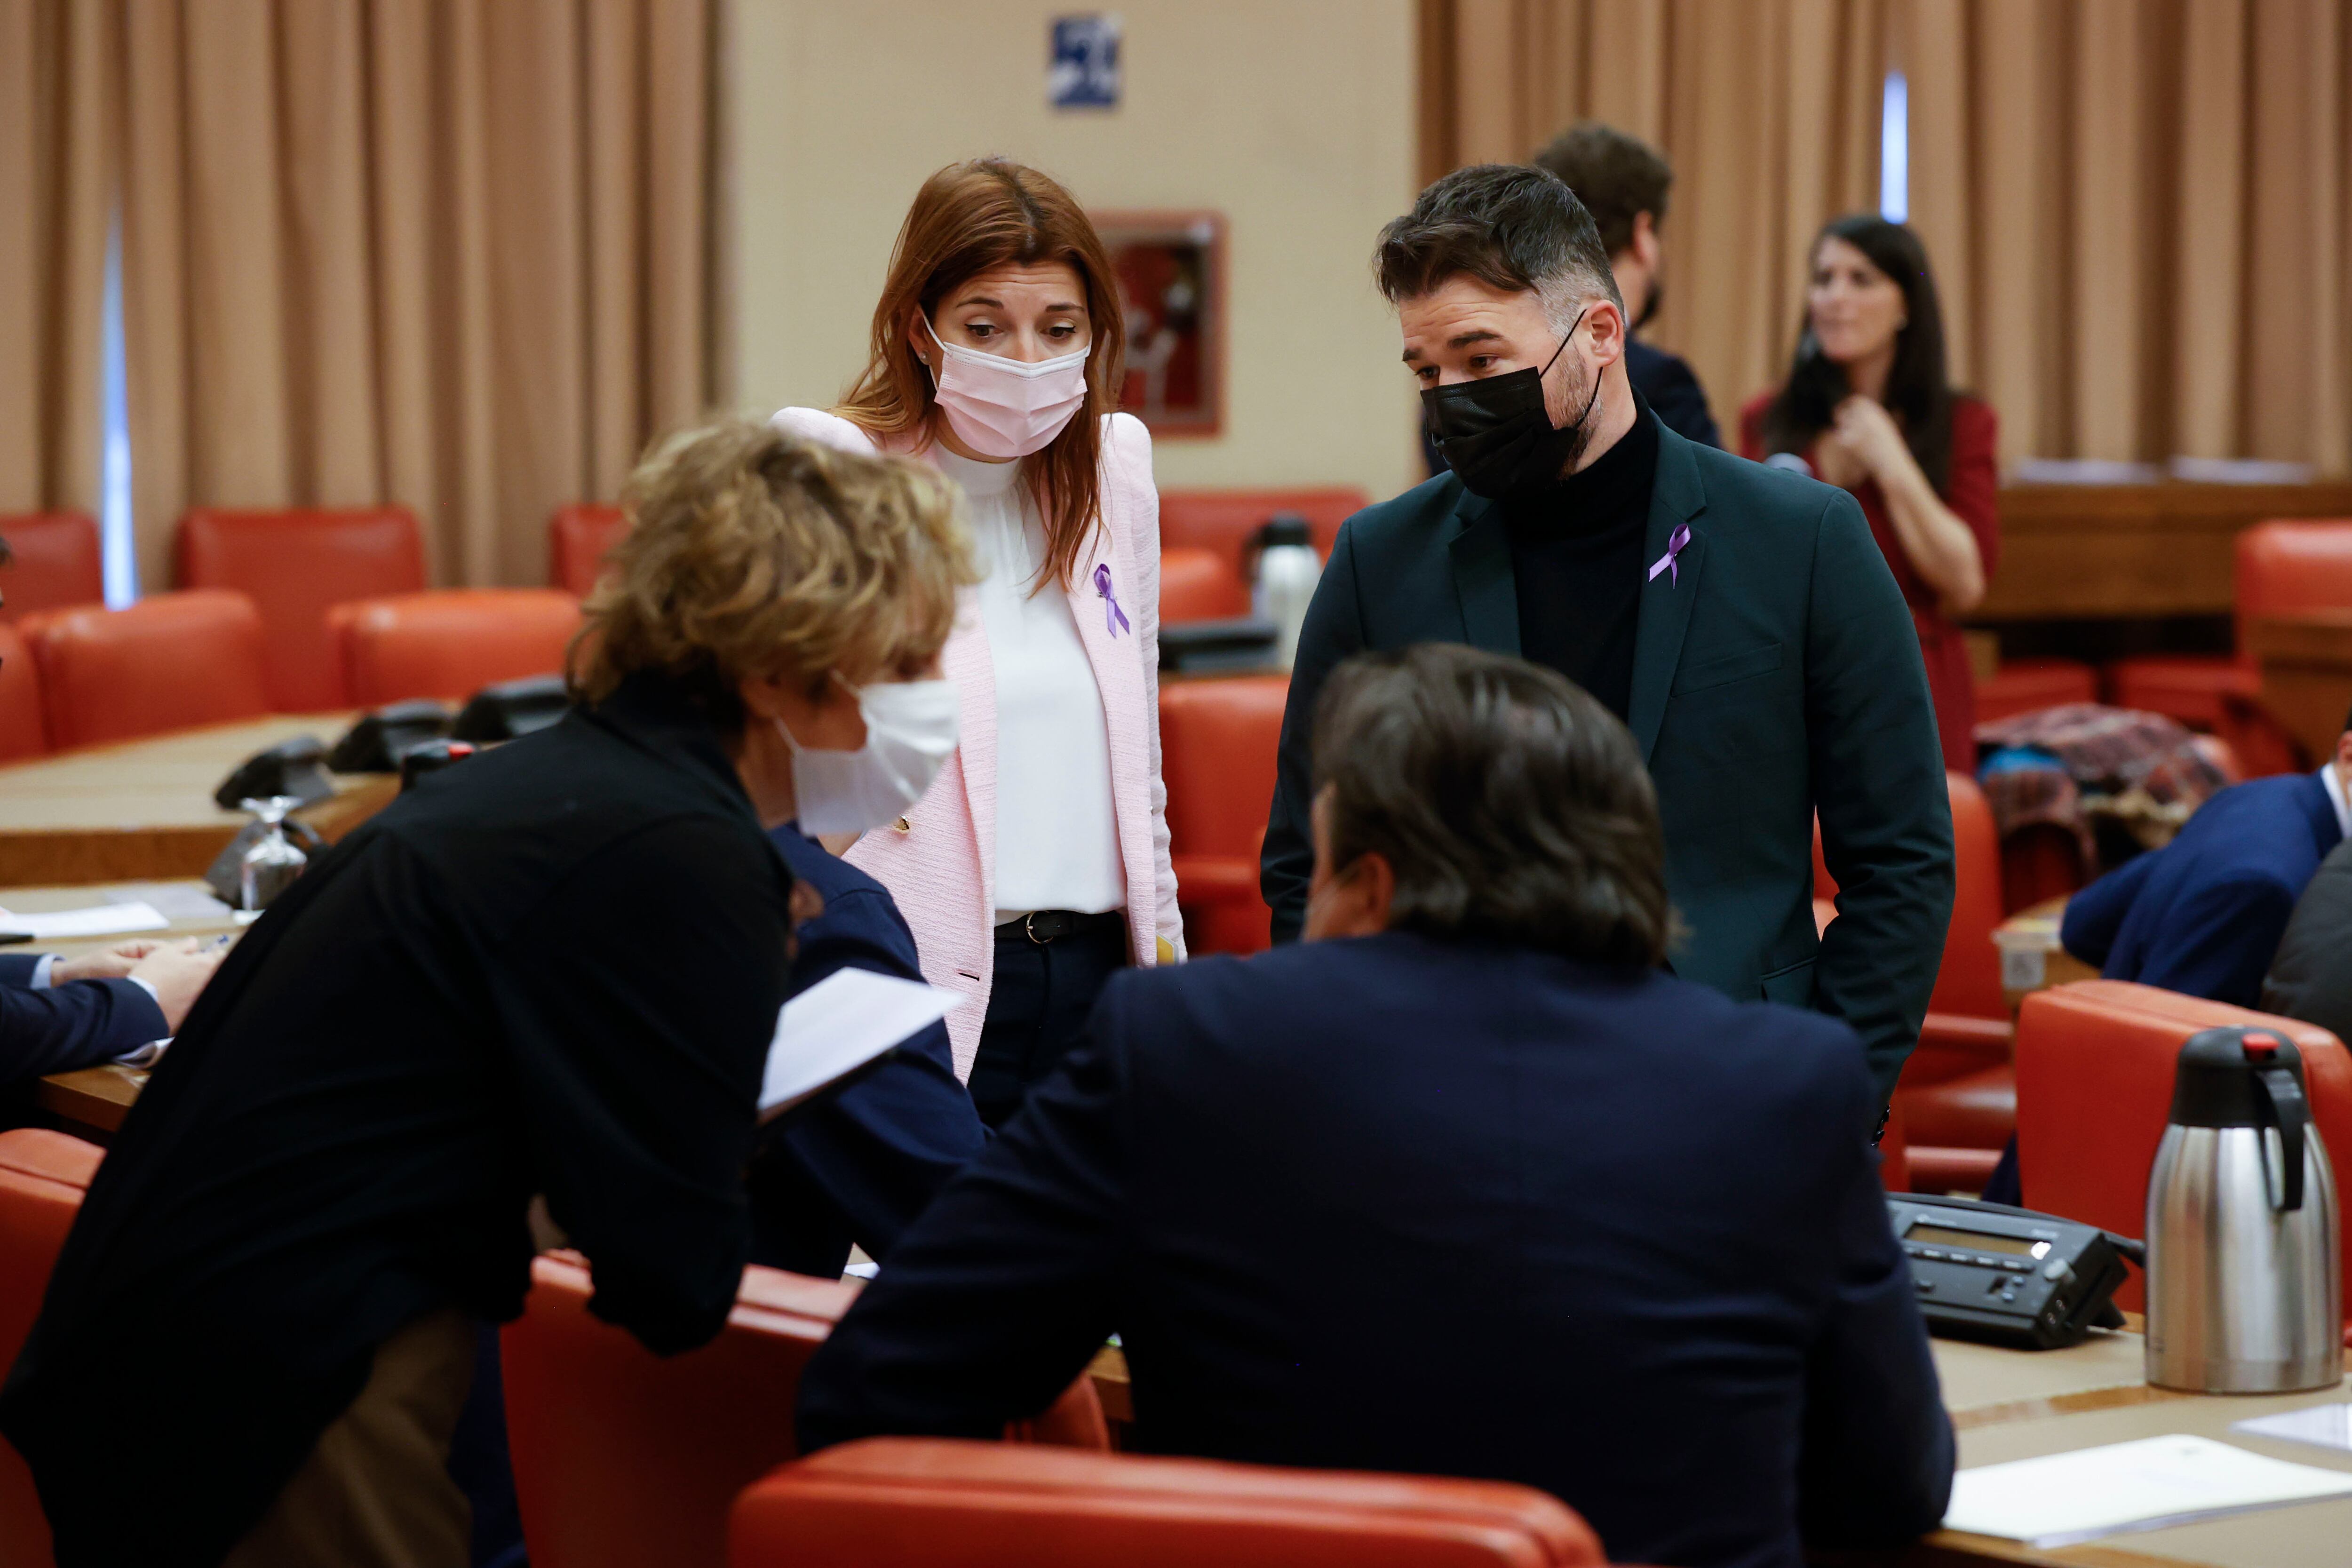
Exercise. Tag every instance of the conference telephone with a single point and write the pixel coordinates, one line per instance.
(2010, 1276)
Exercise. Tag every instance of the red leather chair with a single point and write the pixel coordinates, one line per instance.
(451, 643)
(172, 661)
(2025, 685)
(57, 563)
(1227, 521)
(1198, 585)
(43, 1175)
(623, 1458)
(2282, 567)
(2094, 1068)
(295, 566)
(948, 1504)
(1217, 743)
(22, 733)
(1958, 1091)
(578, 537)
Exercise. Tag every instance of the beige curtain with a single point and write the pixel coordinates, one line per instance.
(1768, 109)
(455, 254)
(54, 182)
(2141, 212)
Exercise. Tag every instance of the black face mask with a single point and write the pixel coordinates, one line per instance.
(1497, 434)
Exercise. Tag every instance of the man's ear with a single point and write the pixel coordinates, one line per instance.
(1645, 243)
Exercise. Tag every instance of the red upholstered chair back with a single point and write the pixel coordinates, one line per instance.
(623, 1458)
(295, 565)
(578, 537)
(2288, 566)
(451, 643)
(950, 1504)
(2025, 685)
(1227, 521)
(22, 732)
(1217, 744)
(172, 661)
(2095, 1068)
(57, 563)
(1969, 981)
(1198, 585)
(43, 1175)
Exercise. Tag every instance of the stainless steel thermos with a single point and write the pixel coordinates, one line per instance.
(2244, 1293)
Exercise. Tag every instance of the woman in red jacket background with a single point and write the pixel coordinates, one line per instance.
(1866, 407)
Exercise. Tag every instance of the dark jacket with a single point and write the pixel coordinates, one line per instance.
(77, 1024)
(858, 1165)
(1672, 388)
(554, 969)
(1389, 1204)
(2311, 978)
(1776, 674)
(2203, 915)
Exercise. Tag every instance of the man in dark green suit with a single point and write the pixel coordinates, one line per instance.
(1740, 618)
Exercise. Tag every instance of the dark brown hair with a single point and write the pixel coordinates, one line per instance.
(1512, 807)
(1918, 394)
(1616, 176)
(1510, 226)
(967, 218)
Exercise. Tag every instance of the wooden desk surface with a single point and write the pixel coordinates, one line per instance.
(143, 809)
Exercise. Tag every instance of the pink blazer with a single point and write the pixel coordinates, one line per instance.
(942, 871)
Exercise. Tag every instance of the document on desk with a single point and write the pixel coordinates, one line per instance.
(839, 1024)
(2321, 1425)
(102, 919)
(2157, 1481)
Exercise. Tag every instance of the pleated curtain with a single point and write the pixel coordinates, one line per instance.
(2139, 211)
(453, 254)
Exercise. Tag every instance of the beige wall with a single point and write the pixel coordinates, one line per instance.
(1294, 118)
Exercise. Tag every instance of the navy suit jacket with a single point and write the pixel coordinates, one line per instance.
(2204, 914)
(859, 1164)
(1673, 390)
(1389, 1204)
(77, 1024)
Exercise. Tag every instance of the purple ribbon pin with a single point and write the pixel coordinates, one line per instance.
(1667, 562)
(1115, 619)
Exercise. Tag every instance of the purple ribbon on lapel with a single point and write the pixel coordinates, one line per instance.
(1667, 562)
(1115, 619)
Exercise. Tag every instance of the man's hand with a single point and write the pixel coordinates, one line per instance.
(113, 964)
(178, 972)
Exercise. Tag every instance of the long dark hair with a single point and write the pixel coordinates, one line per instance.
(1918, 393)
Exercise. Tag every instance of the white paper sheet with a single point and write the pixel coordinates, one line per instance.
(839, 1024)
(102, 919)
(2146, 1485)
(2322, 1426)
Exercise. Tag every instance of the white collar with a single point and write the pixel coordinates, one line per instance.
(2335, 797)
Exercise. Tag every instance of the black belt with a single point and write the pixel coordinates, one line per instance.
(1052, 925)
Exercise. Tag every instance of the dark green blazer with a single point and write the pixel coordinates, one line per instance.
(1776, 674)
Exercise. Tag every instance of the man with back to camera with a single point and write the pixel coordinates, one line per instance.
(1739, 619)
(1461, 1185)
(1622, 182)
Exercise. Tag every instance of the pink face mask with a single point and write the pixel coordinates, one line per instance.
(1003, 407)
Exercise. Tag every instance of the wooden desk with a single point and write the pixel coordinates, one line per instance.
(92, 1101)
(143, 809)
(2084, 552)
(2306, 664)
(2017, 1405)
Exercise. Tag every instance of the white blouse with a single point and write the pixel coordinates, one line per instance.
(1057, 830)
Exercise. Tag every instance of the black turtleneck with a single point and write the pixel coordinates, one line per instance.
(1576, 553)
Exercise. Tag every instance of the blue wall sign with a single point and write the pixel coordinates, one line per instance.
(1084, 70)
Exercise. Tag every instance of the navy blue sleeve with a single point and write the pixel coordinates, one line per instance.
(1876, 1465)
(1006, 1289)
(860, 1164)
(16, 968)
(2218, 941)
(79, 1024)
(2096, 915)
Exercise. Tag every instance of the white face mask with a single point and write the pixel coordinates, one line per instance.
(1006, 408)
(910, 732)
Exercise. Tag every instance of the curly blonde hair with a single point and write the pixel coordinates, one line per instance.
(756, 554)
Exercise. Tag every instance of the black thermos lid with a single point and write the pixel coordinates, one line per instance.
(2218, 1082)
(1284, 528)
